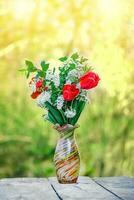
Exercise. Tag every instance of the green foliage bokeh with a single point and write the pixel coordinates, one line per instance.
(102, 31)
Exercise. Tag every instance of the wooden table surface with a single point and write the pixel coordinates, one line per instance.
(107, 188)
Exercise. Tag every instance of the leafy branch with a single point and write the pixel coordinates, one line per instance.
(31, 68)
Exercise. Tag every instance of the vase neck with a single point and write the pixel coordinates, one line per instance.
(67, 135)
(66, 131)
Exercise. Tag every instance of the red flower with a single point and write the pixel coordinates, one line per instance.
(39, 84)
(70, 92)
(89, 80)
(34, 95)
(45, 88)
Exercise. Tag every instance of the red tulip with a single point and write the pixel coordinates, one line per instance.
(70, 92)
(34, 95)
(89, 80)
(39, 84)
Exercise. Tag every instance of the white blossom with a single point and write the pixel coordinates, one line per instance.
(43, 97)
(33, 87)
(78, 86)
(68, 81)
(79, 65)
(70, 113)
(53, 77)
(56, 80)
(83, 96)
(49, 75)
(73, 73)
(59, 102)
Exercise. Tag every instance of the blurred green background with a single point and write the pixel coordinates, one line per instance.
(101, 30)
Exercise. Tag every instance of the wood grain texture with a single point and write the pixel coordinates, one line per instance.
(85, 189)
(26, 189)
(121, 186)
(110, 188)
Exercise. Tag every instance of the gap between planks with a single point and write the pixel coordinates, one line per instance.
(107, 189)
(86, 189)
(122, 186)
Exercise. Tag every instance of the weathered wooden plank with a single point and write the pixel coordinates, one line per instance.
(26, 189)
(85, 189)
(121, 186)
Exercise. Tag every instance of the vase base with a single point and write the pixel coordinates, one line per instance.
(68, 182)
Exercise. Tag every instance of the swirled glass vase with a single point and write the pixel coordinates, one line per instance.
(66, 158)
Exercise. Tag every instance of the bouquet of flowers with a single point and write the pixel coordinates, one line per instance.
(62, 92)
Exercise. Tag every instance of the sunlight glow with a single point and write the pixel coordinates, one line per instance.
(109, 8)
(22, 9)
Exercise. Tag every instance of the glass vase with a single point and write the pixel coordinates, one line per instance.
(66, 158)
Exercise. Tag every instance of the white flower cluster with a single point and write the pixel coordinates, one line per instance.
(70, 113)
(72, 76)
(49, 75)
(80, 66)
(56, 80)
(53, 77)
(43, 97)
(59, 102)
(83, 96)
(73, 73)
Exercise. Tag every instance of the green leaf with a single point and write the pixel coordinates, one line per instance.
(72, 66)
(87, 68)
(30, 66)
(54, 97)
(54, 70)
(75, 56)
(22, 70)
(62, 59)
(51, 118)
(63, 115)
(41, 73)
(78, 106)
(83, 59)
(44, 66)
(56, 113)
(27, 74)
